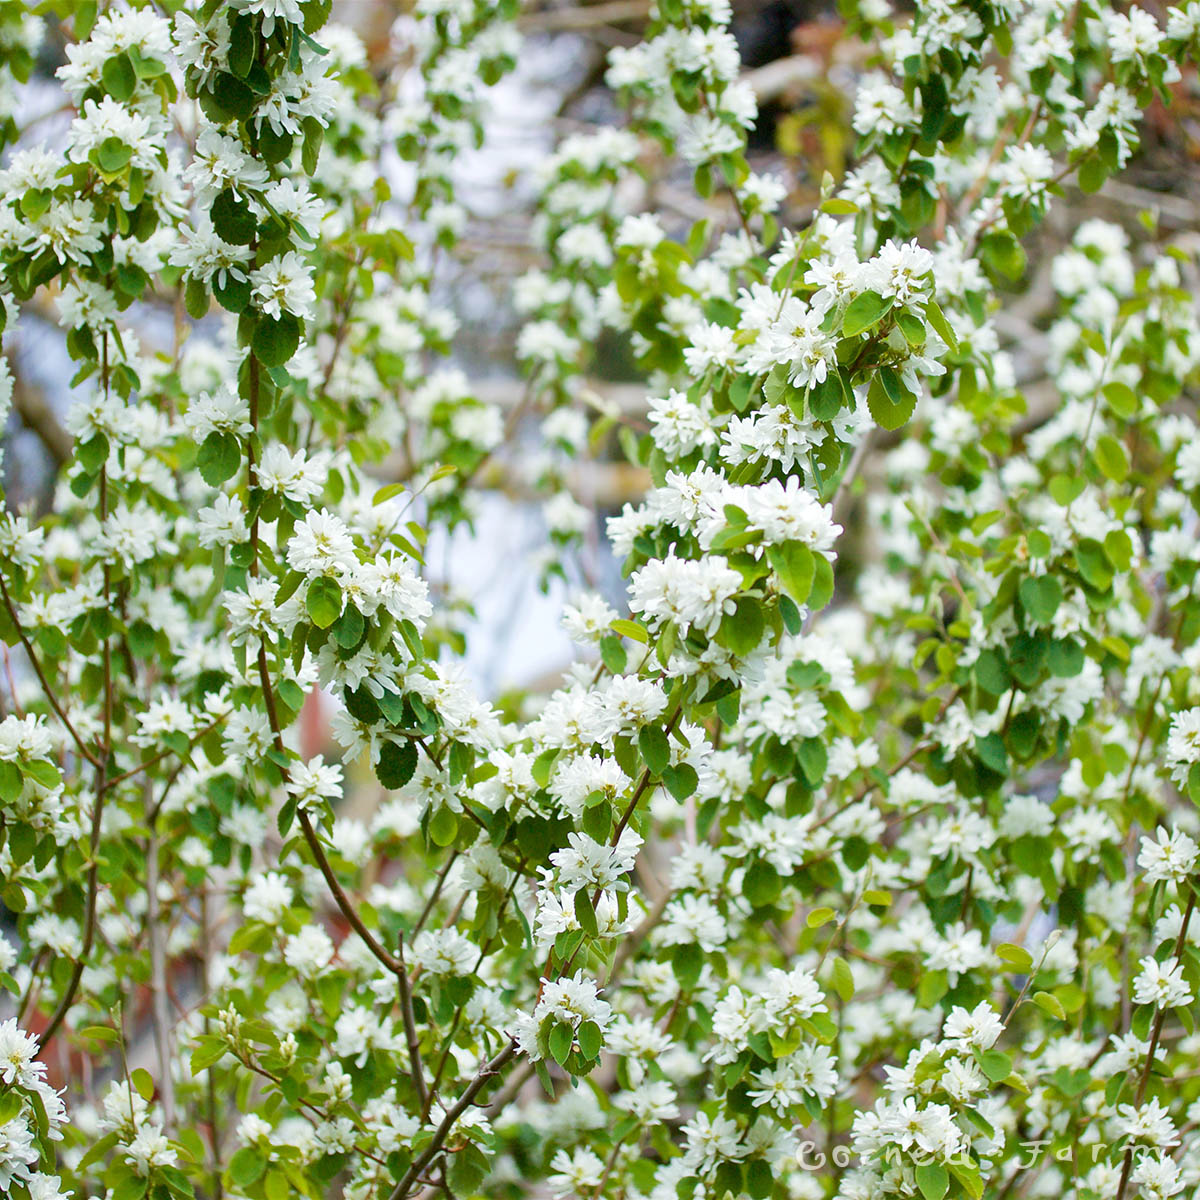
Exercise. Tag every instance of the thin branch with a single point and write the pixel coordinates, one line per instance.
(1155, 1033)
(38, 417)
(37, 669)
(410, 1032)
(158, 972)
(485, 1073)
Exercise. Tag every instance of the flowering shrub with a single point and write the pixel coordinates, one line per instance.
(812, 878)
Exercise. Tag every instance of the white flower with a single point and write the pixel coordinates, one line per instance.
(285, 285)
(321, 545)
(309, 951)
(266, 898)
(977, 1029)
(575, 1173)
(1161, 984)
(444, 952)
(696, 594)
(1171, 857)
(149, 1149)
(17, 1052)
(314, 782)
(1183, 744)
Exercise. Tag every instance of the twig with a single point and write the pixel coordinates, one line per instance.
(410, 1031)
(37, 669)
(482, 1076)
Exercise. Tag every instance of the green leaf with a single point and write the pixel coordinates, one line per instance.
(469, 1166)
(687, 961)
(1111, 458)
(995, 1064)
(862, 312)
(656, 750)
(101, 1033)
(1002, 255)
(143, 1082)
(813, 759)
(233, 295)
(349, 628)
(1093, 564)
(942, 327)
(1064, 658)
(130, 1187)
(276, 340)
(562, 1038)
(826, 399)
(232, 219)
(991, 672)
(761, 884)
(323, 601)
(793, 562)
(613, 654)
(631, 630)
(241, 45)
(843, 980)
(397, 763)
(1092, 174)
(818, 917)
(933, 1179)
(209, 1051)
(42, 772)
(585, 914)
(742, 630)
(913, 329)
(443, 827)
(1050, 1003)
(277, 1186)
(1016, 956)
(11, 782)
(232, 97)
(1065, 489)
(118, 77)
(22, 842)
(992, 752)
(889, 413)
(1040, 597)
(314, 133)
(1121, 399)
(822, 589)
(247, 1166)
(680, 780)
(219, 458)
(112, 155)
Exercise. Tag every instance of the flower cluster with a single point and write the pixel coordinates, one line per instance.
(866, 816)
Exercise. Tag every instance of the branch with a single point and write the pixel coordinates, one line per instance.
(38, 417)
(37, 669)
(588, 16)
(410, 1032)
(1159, 1020)
(89, 922)
(485, 1073)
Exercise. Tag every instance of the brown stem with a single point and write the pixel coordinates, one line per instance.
(153, 761)
(410, 1032)
(1155, 1033)
(101, 765)
(158, 973)
(643, 784)
(482, 1076)
(89, 921)
(37, 669)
